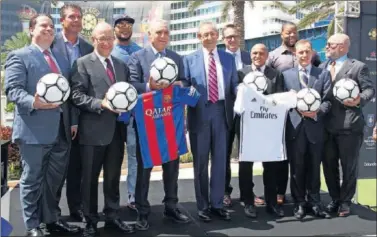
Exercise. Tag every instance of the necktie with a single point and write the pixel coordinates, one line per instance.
(51, 63)
(160, 54)
(110, 71)
(304, 78)
(212, 82)
(258, 69)
(332, 70)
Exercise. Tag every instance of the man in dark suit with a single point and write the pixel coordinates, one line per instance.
(42, 130)
(304, 132)
(344, 124)
(259, 56)
(72, 46)
(231, 38)
(214, 74)
(101, 136)
(140, 64)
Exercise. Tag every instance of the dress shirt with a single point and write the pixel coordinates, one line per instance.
(261, 68)
(237, 57)
(219, 70)
(73, 50)
(102, 59)
(338, 64)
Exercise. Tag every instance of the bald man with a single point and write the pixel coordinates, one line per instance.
(259, 55)
(101, 137)
(344, 124)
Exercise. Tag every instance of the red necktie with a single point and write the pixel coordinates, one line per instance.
(212, 82)
(54, 68)
(110, 70)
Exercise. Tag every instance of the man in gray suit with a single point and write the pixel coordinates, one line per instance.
(101, 137)
(304, 132)
(140, 64)
(42, 130)
(344, 124)
(72, 46)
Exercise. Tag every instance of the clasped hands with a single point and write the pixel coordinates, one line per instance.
(352, 102)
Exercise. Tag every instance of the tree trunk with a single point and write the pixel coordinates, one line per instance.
(238, 11)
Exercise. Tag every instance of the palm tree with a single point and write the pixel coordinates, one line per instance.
(318, 10)
(238, 8)
(21, 39)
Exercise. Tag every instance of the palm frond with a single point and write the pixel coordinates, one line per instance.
(331, 28)
(281, 6)
(306, 5)
(193, 5)
(224, 11)
(314, 17)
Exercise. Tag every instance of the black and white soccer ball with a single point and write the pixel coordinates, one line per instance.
(308, 100)
(53, 88)
(122, 97)
(346, 89)
(164, 70)
(256, 80)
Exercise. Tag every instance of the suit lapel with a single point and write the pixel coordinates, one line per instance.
(39, 55)
(347, 65)
(199, 64)
(117, 70)
(313, 77)
(99, 69)
(296, 82)
(60, 47)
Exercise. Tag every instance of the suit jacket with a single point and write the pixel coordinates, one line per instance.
(90, 83)
(58, 46)
(196, 76)
(320, 81)
(275, 83)
(140, 65)
(343, 119)
(23, 69)
(245, 58)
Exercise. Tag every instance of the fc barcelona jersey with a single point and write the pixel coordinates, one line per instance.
(159, 117)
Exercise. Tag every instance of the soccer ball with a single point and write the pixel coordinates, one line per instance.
(53, 88)
(308, 100)
(346, 89)
(122, 97)
(164, 70)
(256, 81)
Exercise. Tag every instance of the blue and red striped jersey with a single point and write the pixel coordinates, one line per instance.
(160, 119)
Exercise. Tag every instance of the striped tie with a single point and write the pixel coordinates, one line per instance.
(212, 82)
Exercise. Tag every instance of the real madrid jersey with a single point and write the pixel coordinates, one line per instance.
(262, 126)
(159, 117)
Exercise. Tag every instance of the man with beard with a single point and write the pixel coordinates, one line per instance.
(281, 59)
(123, 48)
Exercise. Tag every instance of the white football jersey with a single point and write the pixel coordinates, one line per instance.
(262, 126)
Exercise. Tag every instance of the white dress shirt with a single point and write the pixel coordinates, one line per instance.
(237, 57)
(102, 59)
(52, 56)
(261, 68)
(219, 70)
(307, 73)
(338, 64)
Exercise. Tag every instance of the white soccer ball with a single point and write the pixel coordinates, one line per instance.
(122, 96)
(308, 100)
(164, 70)
(257, 81)
(53, 88)
(346, 89)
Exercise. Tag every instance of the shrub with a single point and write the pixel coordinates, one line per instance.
(14, 158)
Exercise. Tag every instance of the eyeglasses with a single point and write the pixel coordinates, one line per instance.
(333, 45)
(105, 39)
(124, 25)
(229, 37)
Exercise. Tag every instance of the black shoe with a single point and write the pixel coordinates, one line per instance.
(344, 210)
(176, 216)
(333, 207)
(78, 216)
(120, 225)
(221, 213)
(250, 211)
(62, 227)
(90, 230)
(276, 210)
(319, 212)
(204, 216)
(142, 222)
(34, 232)
(299, 212)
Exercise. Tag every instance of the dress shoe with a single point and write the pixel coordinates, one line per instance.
(119, 225)
(204, 216)
(250, 211)
(276, 210)
(220, 213)
(78, 216)
(176, 216)
(34, 232)
(142, 222)
(319, 212)
(333, 207)
(62, 227)
(344, 210)
(90, 230)
(299, 212)
(227, 201)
